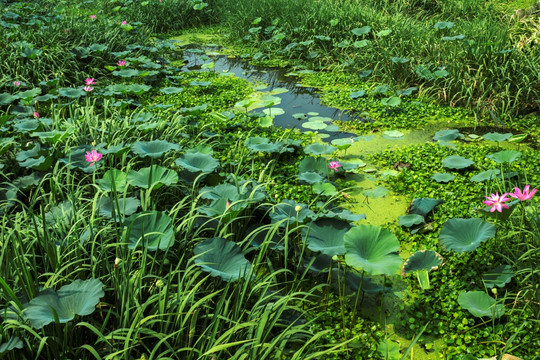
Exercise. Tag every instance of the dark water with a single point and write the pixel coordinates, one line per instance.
(297, 99)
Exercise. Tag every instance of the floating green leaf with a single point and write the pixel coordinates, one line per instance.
(291, 212)
(423, 206)
(319, 149)
(443, 178)
(497, 137)
(361, 31)
(411, 220)
(456, 162)
(446, 135)
(310, 177)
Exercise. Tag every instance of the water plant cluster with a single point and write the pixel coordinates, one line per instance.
(150, 212)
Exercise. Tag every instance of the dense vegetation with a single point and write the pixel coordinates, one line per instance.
(147, 212)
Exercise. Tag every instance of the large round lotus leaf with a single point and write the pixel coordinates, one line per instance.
(198, 162)
(411, 220)
(310, 177)
(275, 111)
(171, 90)
(446, 135)
(486, 175)
(422, 260)
(124, 207)
(325, 189)
(480, 304)
(13, 343)
(423, 206)
(71, 93)
(239, 196)
(343, 143)
(311, 164)
(499, 276)
(266, 148)
(505, 156)
(126, 73)
(443, 178)
(113, 180)
(256, 140)
(373, 249)
(392, 101)
(221, 258)
(497, 136)
(266, 234)
(154, 149)
(313, 125)
(319, 149)
(27, 182)
(287, 211)
(78, 298)
(393, 134)
(152, 177)
(326, 236)
(150, 229)
(62, 213)
(137, 89)
(6, 99)
(465, 234)
(456, 162)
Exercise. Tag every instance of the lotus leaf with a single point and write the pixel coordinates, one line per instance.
(411, 220)
(310, 177)
(318, 264)
(505, 156)
(423, 206)
(373, 249)
(71, 93)
(361, 31)
(314, 125)
(443, 178)
(357, 94)
(239, 196)
(422, 260)
(343, 214)
(13, 343)
(497, 137)
(443, 25)
(126, 73)
(153, 149)
(266, 121)
(8, 196)
(326, 236)
(28, 94)
(126, 207)
(399, 60)
(113, 180)
(298, 116)
(171, 90)
(53, 136)
(325, 189)
(500, 276)
(465, 234)
(286, 212)
(78, 298)
(152, 177)
(360, 44)
(266, 235)
(319, 149)
(150, 229)
(377, 192)
(311, 164)
(456, 162)
(137, 89)
(486, 175)
(6, 99)
(274, 111)
(25, 126)
(407, 91)
(446, 135)
(388, 350)
(393, 134)
(28, 181)
(480, 304)
(221, 258)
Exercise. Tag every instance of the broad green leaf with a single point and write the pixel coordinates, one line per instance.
(500, 276)
(109, 208)
(443, 178)
(411, 220)
(325, 189)
(326, 236)
(152, 177)
(465, 234)
(153, 149)
(480, 304)
(152, 230)
(221, 258)
(505, 156)
(423, 206)
(456, 162)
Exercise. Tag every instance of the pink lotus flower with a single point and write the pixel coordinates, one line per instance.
(496, 202)
(36, 115)
(124, 23)
(88, 88)
(90, 81)
(93, 157)
(334, 165)
(525, 195)
(121, 63)
(17, 83)
(93, 17)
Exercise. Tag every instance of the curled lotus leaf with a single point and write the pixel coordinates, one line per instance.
(505, 156)
(446, 135)
(326, 235)
(423, 206)
(150, 229)
(500, 276)
(486, 175)
(198, 162)
(443, 178)
(153, 149)
(152, 177)
(290, 212)
(422, 260)
(411, 220)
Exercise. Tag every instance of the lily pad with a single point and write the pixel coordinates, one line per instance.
(357, 94)
(326, 236)
(422, 262)
(411, 220)
(446, 135)
(497, 137)
(314, 125)
(378, 192)
(126, 206)
(486, 175)
(310, 177)
(319, 149)
(423, 206)
(325, 189)
(113, 179)
(393, 134)
(152, 177)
